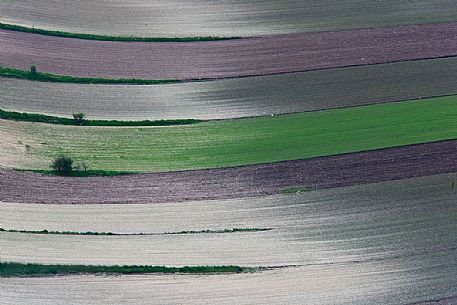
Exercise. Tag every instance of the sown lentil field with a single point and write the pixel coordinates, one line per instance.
(324, 173)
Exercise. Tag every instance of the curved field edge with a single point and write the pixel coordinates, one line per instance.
(238, 97)
(380, 216)
(221, 18)
(78, 172)
(231, 143)
(236, 182)
(438, 301)
(223, 59)
(19, 28)
(41, 118)
(174, 216)
(56, 120)
(56, 78)
(233, 230)
(9, 269)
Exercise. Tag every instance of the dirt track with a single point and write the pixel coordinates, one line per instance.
(231, 58)
(256, 180)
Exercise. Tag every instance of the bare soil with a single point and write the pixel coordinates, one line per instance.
(239, 97)
(254, 180)
(231, 58)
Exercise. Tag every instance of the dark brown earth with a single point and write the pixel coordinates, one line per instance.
(254, 180)
(230, 58)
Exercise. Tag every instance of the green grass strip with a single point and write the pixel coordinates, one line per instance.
(41, 118)
(79, 173)
(63, 232)
(234, 230)
(48, 77)
(9, 269)
(19, 28)
(242, 141)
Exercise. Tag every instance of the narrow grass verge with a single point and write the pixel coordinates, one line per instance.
(9, 269)
(234, 230)
(19, 28)
(227, 143)
(79, 173)
(41, 118)
(48, 77)
(295, 190)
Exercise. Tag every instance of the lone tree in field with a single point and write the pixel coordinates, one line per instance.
(33, 71)
(79, 118)
(63, 165)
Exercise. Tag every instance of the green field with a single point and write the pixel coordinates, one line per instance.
(55, 78)
(234, 142)
(41, 118)
(24, 270)
(13, 27)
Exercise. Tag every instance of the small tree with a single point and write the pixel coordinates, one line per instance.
(79, 118)
(33, 71)
(82, 166)
(63, 165)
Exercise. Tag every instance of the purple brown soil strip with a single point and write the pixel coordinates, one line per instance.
(254, 180)
(231, 58)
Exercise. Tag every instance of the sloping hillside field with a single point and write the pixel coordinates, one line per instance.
(247, 181)
(228, 152)
(233, 142)
(230, 58)
(238, 97)
(352, 238)
(165, 18)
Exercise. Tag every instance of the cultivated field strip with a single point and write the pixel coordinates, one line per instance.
(175, 18)
(358, 224)
(391, 241)
(257, 180)
(360, 284)
(231, 98)
(230, 58)
(232, 142)
(276, 211)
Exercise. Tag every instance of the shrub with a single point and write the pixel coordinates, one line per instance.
(82, 166)
(63, 165)
(79, 117)
(33, 71)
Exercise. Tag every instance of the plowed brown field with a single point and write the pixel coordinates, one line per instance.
(255, 180)
(230, 58)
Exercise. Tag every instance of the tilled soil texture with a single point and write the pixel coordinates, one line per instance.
(230, 58)
(384, 283)
(392, 243)
(255, 180)
(380, 222)
(239, 97)
(172, 18)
